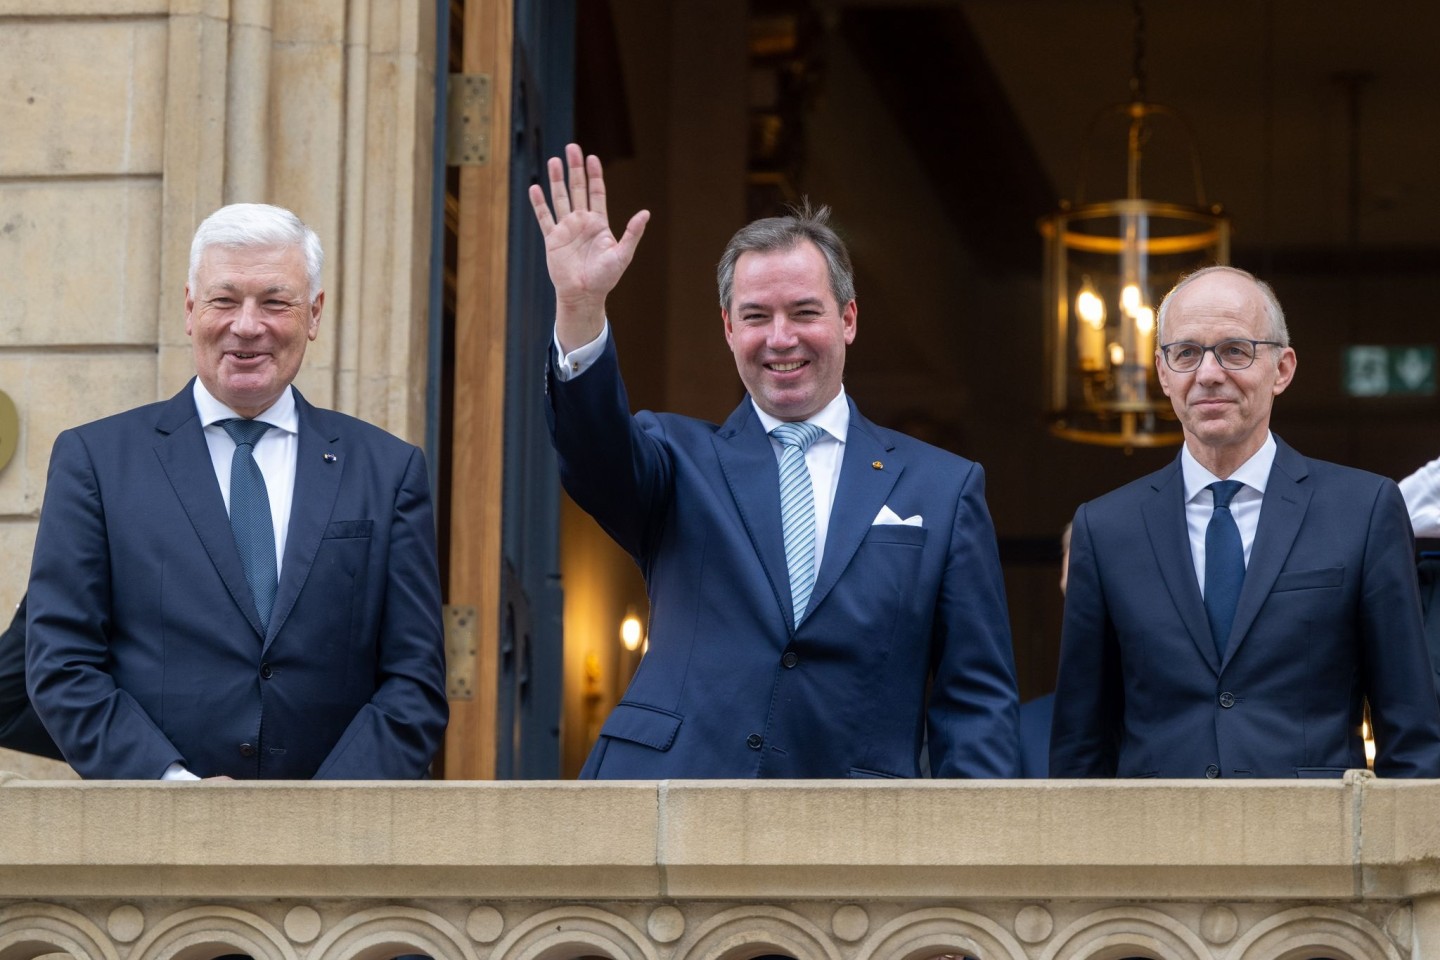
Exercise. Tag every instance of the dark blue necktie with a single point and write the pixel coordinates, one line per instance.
(1224, 564)
(250, 514)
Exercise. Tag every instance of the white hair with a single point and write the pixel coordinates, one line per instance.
(258, 225)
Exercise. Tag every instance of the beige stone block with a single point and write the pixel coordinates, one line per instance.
(1401, 837)
(960, 839)
(83, 97)
(310, 21)
(54, 391)
(503, 840)
(307, 150)
(76, 8)
(87, 252)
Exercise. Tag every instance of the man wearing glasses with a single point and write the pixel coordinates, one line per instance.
(1230, 615)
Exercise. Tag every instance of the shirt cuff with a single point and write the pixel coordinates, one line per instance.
(577, 361)
(177, 772)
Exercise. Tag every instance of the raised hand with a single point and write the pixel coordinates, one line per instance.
(584, 258)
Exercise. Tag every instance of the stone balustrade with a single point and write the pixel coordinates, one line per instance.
(719, 870)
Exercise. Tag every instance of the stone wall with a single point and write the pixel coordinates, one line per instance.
(1059, 870)
(123, 123)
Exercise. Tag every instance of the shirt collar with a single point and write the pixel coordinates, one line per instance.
(833, 418)
(281, 414)
(1252, 473)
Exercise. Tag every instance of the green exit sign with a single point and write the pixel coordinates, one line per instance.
(1390, 371)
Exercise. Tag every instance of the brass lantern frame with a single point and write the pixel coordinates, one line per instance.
(1107, 263)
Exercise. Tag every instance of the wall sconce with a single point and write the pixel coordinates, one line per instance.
(1106, 265)
(632, 631)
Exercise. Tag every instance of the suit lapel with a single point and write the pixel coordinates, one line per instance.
(752, 472)
(319, 466)
(1281, 513)
(185, 458)
(858, 498)
(1164, 514)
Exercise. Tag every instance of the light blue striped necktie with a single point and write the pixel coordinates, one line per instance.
(797, 510)
(250, 514)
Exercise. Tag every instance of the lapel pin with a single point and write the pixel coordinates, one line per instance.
(877, 464)
(329, 458)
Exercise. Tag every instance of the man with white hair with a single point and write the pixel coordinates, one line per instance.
(232, 582)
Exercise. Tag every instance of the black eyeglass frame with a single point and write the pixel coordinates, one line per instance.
(1214, 348)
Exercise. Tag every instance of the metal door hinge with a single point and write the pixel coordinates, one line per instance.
(467, 125)
(460, 624)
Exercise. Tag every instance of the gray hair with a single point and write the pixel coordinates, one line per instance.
(1274, 314)
(258, 225)
(784, 233)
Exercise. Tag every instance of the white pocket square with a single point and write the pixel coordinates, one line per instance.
(886, 515)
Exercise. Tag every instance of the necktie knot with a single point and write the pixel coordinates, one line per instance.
(1224, 491)
(800, 434)
(245, 432)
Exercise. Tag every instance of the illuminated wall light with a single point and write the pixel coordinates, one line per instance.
(631, 632)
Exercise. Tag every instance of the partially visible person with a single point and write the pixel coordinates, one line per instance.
(1230, 614)
(1422, 498)
(1037, 714)
(233, 582)
(20, 727)
(825, 593)
(1421, 491)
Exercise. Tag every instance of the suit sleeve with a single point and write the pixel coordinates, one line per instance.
(1089, 694)
(1403, 705)
(101, 730)
(973, 715)
(611, 463)
(396, 734)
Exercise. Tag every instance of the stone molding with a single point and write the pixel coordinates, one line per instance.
(717, 870)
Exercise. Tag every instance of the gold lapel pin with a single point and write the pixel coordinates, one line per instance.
(877, 464)
(330, 458)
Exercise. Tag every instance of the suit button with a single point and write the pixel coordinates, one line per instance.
(789, 660)
(265, 672)
(1211, 772)
(1227, 699)
(753, 741)
(247, 750)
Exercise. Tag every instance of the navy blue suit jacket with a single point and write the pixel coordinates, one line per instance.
(144, 646)
(1329, 614)
(730, 687)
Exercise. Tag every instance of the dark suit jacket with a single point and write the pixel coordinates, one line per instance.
(1329, 615)
(20, 727)
(144, 645)
(730, 688)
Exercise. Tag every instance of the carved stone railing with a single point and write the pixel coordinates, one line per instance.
(825, 870)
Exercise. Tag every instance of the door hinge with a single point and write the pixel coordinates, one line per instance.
(460, 622)
(467, 125)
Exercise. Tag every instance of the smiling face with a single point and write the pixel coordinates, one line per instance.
(1225, 413)
(249, 318)
(787, 332)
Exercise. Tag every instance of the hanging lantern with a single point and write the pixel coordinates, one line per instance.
(1107, 263)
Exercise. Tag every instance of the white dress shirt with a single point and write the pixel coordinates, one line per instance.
(1422, 498)
(1245, 508)
(823, 457)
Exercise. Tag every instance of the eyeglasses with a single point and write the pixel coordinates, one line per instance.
(1183, 356)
